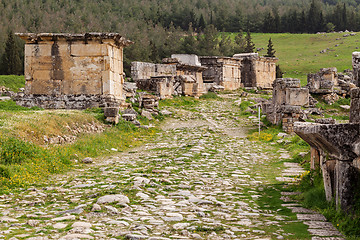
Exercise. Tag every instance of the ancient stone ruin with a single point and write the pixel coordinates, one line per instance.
(257, 71)
(178, 75)
(330, 84)
(190, 75)
(285, 105)
(336, 151)
(241, 70)
(222, 71)
(73, 71)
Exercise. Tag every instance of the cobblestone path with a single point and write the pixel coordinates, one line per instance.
(198, 179)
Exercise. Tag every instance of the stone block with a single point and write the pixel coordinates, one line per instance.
(37, 50)
(87, 50)
(189, 59)
(111, 111)
(42, 74)
(297, 96)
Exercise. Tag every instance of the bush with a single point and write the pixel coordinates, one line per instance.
(4, 171)
(15, 151)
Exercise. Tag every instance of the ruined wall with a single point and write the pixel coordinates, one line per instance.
(285, 107)
(191, 78)
(259, 72)
(223, 71)
(323, 81)
(265, 72)
(60, 65)
(163, 86)
(145, 70)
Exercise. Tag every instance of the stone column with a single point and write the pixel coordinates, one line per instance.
(328, 172)
(356, 67)
(345, 178)
(314, 158)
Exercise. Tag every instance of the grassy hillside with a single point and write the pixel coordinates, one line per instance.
(12, 81)
(299, 54)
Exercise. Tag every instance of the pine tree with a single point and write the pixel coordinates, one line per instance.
(11, 59)
(279, 72)
(201, 24)
(270, 49)
(240, 43)
(250, 46)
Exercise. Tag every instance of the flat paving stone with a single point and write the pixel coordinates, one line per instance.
(311, 217)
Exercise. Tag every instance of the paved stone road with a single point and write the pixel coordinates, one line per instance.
(199, 179)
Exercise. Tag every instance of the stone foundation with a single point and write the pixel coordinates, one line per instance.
(80, 101)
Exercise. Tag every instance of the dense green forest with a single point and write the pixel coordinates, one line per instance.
(162, 27)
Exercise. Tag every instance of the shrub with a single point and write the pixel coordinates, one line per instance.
(4, 171)
(15, 151)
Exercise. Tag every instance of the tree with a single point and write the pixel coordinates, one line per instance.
(250, 46)
(279, 72)
(208, 42)
(240, 43)
(11, 58)
(201, 24)
(270, 49)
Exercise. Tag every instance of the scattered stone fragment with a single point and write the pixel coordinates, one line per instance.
(119, 198)
(87, 160)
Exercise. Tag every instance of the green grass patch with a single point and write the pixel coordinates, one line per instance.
(23, 163)
(313, 197)
(13, 82)
(10, 105)
(299, 54)
(210, 95)
(178, 101)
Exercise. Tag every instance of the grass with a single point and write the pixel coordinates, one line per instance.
(13, 82)
(299, 54)
(23, 159)
(178, 102)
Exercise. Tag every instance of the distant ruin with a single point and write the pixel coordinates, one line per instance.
(257, 71)
(197, 75)
(178, 75)
(328, 82)
(285, 106)
(73, 71)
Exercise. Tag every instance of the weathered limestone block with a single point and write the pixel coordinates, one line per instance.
(112, 114)
(187, 59)
(143, 70)
(297, 96)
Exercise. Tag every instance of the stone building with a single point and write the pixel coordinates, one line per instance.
(223, 71)
(241, 70)
(285, 106)
(256, 71)
(179, 75)
(73, 71)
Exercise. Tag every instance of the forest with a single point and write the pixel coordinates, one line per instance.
(162, 27)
